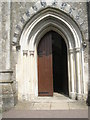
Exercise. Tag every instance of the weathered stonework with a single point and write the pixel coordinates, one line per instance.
(13, 19)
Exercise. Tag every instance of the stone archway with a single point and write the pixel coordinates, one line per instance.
(49, 19)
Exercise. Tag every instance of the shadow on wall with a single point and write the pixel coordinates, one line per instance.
(88, 10)
(88, 99)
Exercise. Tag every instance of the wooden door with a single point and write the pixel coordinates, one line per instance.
(45, 75)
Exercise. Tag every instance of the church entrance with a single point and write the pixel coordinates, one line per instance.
(50, 56)
(52, 65)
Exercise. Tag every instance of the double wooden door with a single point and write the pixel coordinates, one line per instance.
(45, 70)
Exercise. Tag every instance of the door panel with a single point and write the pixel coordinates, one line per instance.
(45, 74)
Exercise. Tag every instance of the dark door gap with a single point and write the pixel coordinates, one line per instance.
(60, 72)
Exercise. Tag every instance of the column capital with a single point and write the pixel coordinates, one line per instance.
(74, 50)
(25, 52)
(31, 52)
(77, 49)
(71, 51)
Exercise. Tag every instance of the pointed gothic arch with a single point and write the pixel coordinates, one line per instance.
(47, 19)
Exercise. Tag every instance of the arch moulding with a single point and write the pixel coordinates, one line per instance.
(49, 18)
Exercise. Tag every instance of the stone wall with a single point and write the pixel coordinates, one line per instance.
(5, 61)
(0, 52)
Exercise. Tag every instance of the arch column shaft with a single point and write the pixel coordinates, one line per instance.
(32, 80)
(78, 75)
(72, 76)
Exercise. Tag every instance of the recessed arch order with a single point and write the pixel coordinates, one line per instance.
(51, 18)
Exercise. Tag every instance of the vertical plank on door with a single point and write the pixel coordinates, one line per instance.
(45, 74)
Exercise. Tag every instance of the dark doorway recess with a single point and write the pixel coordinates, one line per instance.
(52, 65)
(60, 71)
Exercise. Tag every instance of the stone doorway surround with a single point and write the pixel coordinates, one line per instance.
(49, 19)
(43, 17)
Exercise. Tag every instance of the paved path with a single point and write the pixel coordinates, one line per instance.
(58, 106)
(46, 114)
(57, 102)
